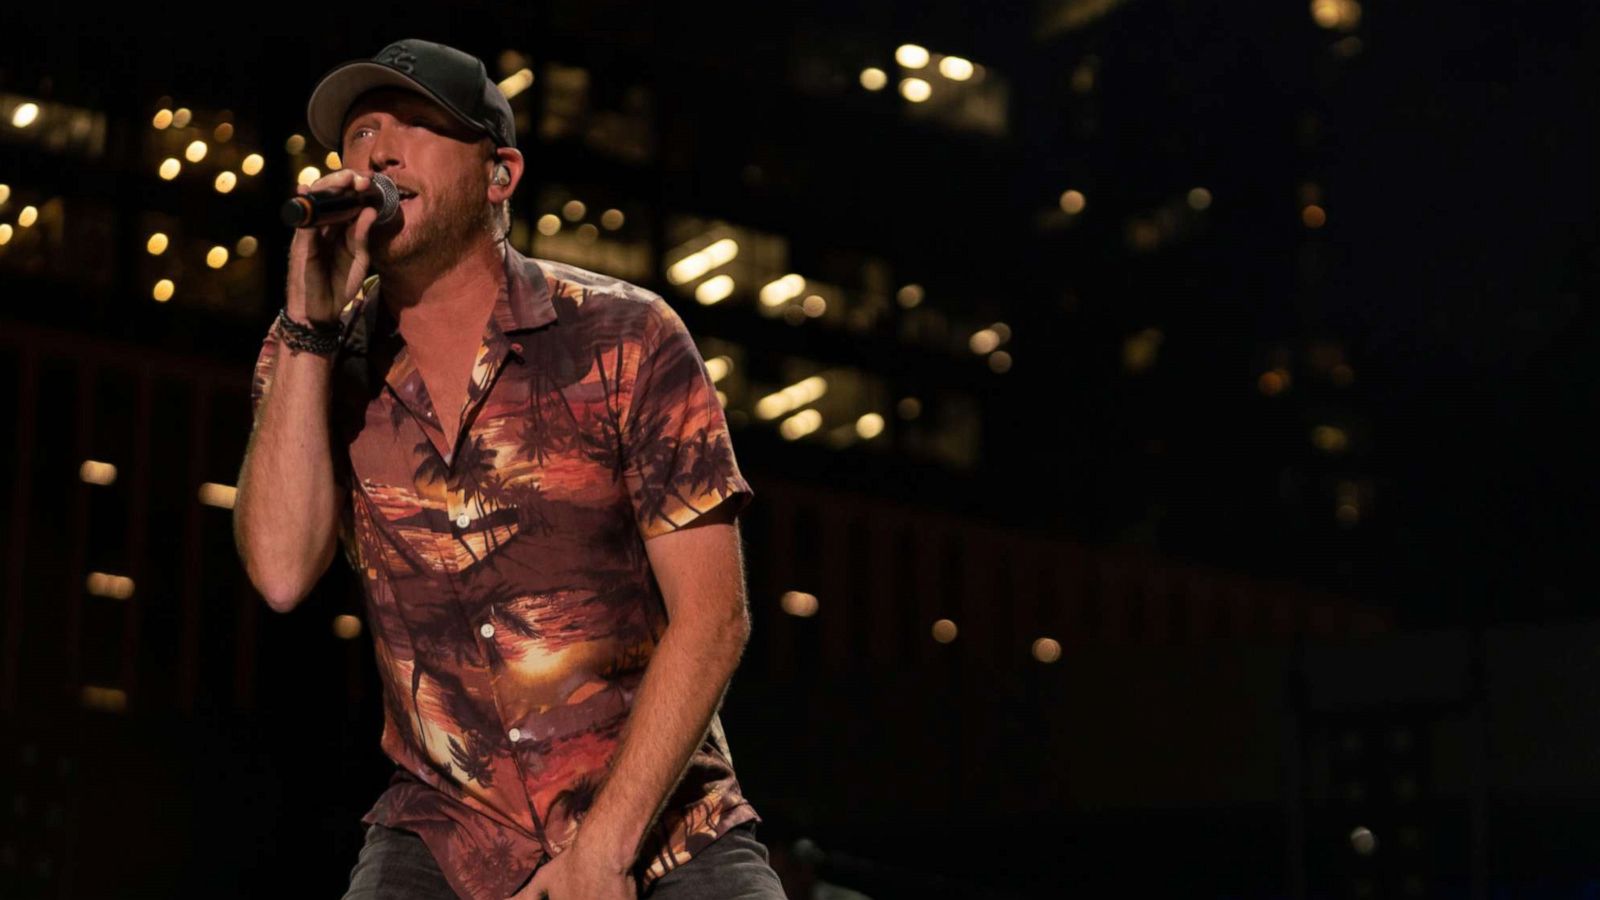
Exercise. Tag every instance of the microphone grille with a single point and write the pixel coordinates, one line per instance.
(390, 198)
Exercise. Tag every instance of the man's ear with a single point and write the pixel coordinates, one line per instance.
(511, 159)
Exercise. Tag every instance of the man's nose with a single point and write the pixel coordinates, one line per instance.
(383, 153)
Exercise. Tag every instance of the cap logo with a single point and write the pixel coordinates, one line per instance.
(399, 57)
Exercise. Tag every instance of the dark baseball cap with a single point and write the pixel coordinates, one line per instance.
(457, 81)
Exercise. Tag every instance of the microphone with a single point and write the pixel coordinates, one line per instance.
(315, 208)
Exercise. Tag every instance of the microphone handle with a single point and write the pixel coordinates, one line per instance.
(323, 208)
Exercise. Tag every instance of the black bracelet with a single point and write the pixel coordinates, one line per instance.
(321, 339)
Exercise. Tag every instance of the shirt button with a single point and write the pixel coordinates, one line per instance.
(462, 521)
(515, 735)
(487, 630)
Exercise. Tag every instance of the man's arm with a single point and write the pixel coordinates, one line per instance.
(700, 569)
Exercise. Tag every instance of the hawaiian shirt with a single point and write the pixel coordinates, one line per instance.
(509, 596)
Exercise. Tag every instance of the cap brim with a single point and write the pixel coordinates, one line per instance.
(340, 88)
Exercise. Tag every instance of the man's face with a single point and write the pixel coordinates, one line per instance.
(440, 167)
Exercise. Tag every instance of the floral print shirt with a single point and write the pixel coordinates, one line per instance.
(509, 596)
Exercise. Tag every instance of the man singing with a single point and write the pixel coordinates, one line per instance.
(527, 465)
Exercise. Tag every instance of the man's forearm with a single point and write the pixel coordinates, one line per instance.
(682, 687)
(287, 504)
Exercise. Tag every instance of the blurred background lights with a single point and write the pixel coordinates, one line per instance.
(180, 118)
(105, 699)
(1139, 352)
(516, 83)
(217, 257)
(944, 631)
(908, 408)
(115, 587)
(25, 115)
(792, 397)
(1314, 216)
(222, 133)
(612, 219)
(799, 603)
(195, 152)
(910, 296)
(170, 168)
(955, 68)
(1000, 362)
(700, 262)
(714, 290)
(1072, 202)
(346, 627)
(246, 247)
(93, 471)
(28, 216)
(252, 164)
(225, 182)
(5, 234)
(5, 193)
(869, 426)
(1341, 14)
(163, 290)
(800, 424)
(332, 161)
(814, 305)
(984, 341)
(718, 368)
(915, 89)
(1330, 439)
(219, 495)
(162, 119)
(295, 144)
(1046, 650)
(308, 175)
(874, 79)
(549, 224)
(782, 290)
(1199, 198)
(157, 244)
(574, 210)
(1274, 382)
(1363, 841)
(911, 56)
(588, 233)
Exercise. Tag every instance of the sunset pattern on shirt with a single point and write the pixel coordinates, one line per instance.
(507, 585)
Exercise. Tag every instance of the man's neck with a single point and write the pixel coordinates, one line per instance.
(429, 305)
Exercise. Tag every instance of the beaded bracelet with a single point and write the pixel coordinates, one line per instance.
(320, 339)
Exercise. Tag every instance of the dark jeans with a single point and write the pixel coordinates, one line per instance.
(396, 865)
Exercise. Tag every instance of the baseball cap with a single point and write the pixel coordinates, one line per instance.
(455, 80)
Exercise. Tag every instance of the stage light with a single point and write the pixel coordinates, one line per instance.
(792, 397)
(1046, 650)
(93, 471)
(612, 219)
(983, 341)
(225, 182)
(163, 290)
(246, 247)
(944, 631)
(114, 587)
(346, 627)
(574, 210)
(799, 604)
(221, 496)
(222, 133)
(915, 89)
(911, 56)
(869, 426)
(699, 263)
(713, 290)
(308, 175)
(25, 115)
(782, 290)
(874, 79)
(910, 296)
(195, 152)
(252, 164)
(955, 68)
(170, 169)
(1072, 202)
(718, 368)
(162, 119)
(1000, 362)
(5, 234)
(549, 224)
(217, 257)
(180, 119)
(332, 161)
(28, 216)
(800, 424)
(1199, 198)
(295, 144)
(814, 305)
(514, 84)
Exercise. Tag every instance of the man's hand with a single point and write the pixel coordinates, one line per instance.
(571, 875)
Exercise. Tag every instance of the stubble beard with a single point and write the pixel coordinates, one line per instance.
(440, 239)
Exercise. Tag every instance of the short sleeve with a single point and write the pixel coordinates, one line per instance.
(678, 457)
